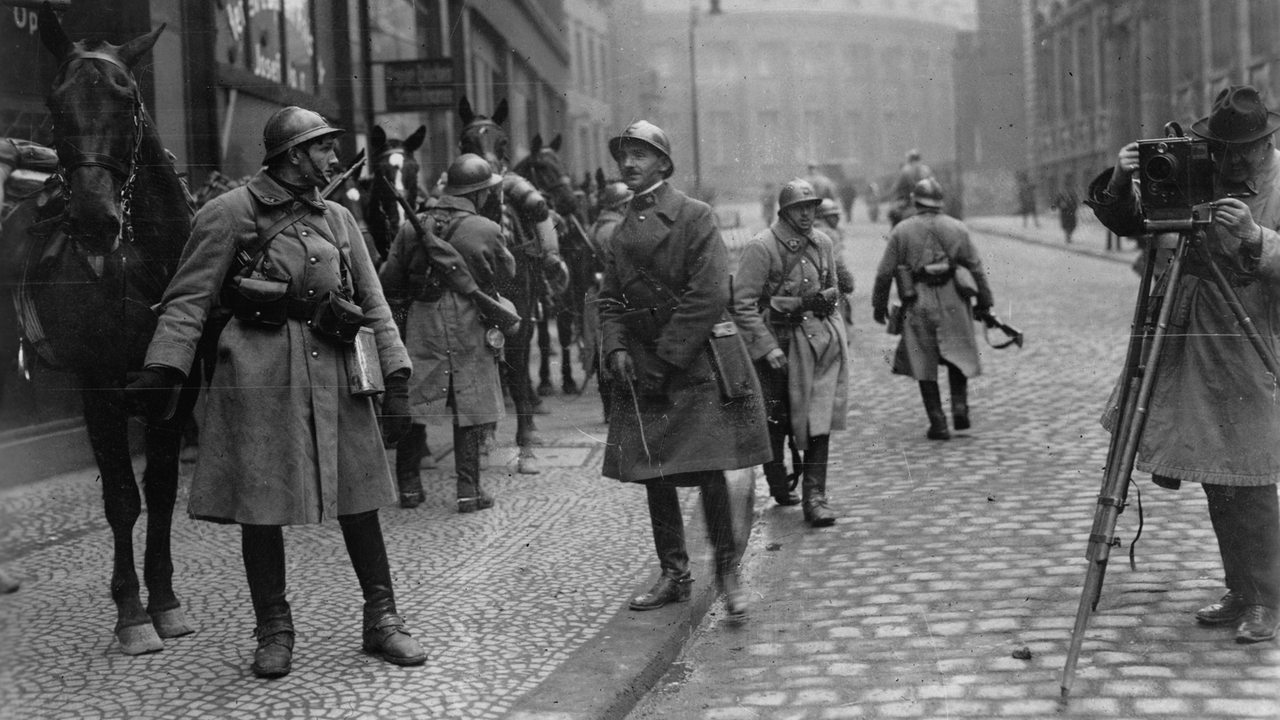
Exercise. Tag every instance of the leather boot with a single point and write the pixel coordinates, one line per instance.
(466, 456)
(959, 397)
(717, 511)
(933, 408)
(814, 487)
(775, 470)
(409, 452)
(262, 549)
(668, 540)
(384, 632)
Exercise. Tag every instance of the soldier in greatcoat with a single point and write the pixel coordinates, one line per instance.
(666, 286)
(451, 345)
(786, 303)
(938, 324)
(284, 441)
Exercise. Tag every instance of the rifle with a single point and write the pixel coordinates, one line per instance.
(490, 309)
(338, 182)
(991, 320)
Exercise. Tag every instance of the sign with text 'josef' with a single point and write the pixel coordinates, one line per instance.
(425, 84)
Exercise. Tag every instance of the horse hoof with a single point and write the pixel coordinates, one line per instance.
(570, 388)
(528, 466)
(139, 639)
(171, 623)
(545, 389)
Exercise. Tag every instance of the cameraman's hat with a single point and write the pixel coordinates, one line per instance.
(1238, 116)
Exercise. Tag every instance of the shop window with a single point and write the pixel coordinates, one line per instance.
(272, 39)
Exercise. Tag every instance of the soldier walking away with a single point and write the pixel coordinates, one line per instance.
(911, 172)
(873, 201)
(286, 442)
(453, 349)
(1213, 416)
(665, 291)
(824, 186)
(923, 253)
(613, 206)
(786, 304)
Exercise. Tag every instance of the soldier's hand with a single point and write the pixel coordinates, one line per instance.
(394, 416)
(880, 315)
(652, 374)
(776, 359)
(621, 366)
(152, 392)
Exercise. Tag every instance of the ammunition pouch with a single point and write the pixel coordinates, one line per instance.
(934, 274)
(336, 319)
(257, 301)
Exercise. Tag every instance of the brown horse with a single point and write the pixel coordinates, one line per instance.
(394, 160)
(485, 136)
(98, 258)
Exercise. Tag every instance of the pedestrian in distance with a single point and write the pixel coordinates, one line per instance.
(768, 203)
(921, 258)
(873, 201)
(1214, 415)
(1067, 203)
(285, 440)
(824, 186)
(786, 305)
(455, 351)
(613, 206)
(912, 171)
(1027, 199)
(682, 415)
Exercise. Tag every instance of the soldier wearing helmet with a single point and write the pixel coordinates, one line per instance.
(911, 172)
(937, 323)
(284, 442)
(786, 295)
(828, 222)
(455, 351)
(665, 289)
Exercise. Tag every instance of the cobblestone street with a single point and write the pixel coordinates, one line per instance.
(952, 555)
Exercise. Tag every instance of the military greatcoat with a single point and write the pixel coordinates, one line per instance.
(666, 283)
(283, 442)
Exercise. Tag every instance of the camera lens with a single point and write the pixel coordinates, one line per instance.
(1161, 168)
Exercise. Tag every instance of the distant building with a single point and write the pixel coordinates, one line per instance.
(850, 84)
(1111, 71)
(587, 32)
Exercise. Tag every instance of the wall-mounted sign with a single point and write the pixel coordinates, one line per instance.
(425, 84)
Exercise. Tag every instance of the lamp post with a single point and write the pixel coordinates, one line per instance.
(693, 100)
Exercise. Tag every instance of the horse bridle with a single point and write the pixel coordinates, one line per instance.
(127, 173)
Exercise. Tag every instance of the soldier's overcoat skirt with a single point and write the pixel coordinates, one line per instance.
(446, 336)
(1214, 413)
(690, 428)
(283, 441)
(939, 324)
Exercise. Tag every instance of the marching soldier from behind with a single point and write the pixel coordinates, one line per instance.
(786, 299)
(923, 252)
(285, 442)
(665, 291)
(454, 350)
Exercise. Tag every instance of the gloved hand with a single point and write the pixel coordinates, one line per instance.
(981, 312)
(394, 415)
(153, 391)
(652, 373)
(821, 304)
(880, 314)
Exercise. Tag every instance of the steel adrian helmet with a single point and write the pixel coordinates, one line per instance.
(828, 207)
(927, 193)
(796, 192)
(615, 194)
(469, 173)
(647, 133)
(290, 126)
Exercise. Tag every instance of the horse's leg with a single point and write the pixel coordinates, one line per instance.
(109, 437)
(564, 334)
(544, 357)
(160, 487)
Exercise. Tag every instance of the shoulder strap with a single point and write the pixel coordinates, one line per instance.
(789, 264)
(245, 259)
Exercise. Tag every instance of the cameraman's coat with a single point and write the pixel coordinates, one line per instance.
(1214, 415)
(939, 324)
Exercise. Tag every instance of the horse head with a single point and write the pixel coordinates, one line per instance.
(395, 160)
(483, 135)
(545, 170)
(100, 126)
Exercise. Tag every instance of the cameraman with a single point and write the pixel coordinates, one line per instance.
(1214, 415)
